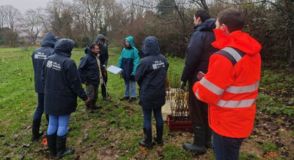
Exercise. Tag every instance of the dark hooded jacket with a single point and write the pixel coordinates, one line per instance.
(199, 50)
(151, 75)
(62, 82)
(38, 58)
(88, 68)
(100, 39)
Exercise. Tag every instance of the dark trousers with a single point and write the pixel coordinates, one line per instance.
(199, 114)
(91, 91)
(226, 148)
(103, 85)
(148, 118)
(40, 108)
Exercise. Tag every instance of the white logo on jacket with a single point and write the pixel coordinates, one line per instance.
(40, 55)
(158, 64)
(53, 65)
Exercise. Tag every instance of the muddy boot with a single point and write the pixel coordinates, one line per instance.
(36, 130)
(61, 147)
(51, 141)
(158, 139)
(147, 141)
(125, 98)
(132, 99)
(95, 107)
(91, 106)
(198, 145)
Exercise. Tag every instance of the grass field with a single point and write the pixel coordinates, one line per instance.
(114, 131)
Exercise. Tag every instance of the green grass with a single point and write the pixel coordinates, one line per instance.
(117, 126)
(111, 132)
(269, 147)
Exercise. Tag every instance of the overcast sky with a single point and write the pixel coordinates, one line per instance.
(24, 5)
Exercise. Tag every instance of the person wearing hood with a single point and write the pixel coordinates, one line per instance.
(103, 57)
(90, 73)
(129, 60)
(38, 57)
(196, 63)
(151, 76)
(230, 86)
(62, 87)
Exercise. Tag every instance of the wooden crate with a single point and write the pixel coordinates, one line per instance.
(179, 124)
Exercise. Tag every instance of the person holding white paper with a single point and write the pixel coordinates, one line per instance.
(129, 60)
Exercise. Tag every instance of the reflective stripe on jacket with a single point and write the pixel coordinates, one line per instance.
(231, 85)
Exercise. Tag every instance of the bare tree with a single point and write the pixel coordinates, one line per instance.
(3, 16)
(60, 17)
(9, 16)
(201, 4)
(33, 24)
(12, 15)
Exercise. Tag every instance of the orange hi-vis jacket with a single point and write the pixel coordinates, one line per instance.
(230, 86)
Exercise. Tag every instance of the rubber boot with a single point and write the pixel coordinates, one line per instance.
(125, 98)
(36, 130)
(61, 147)
(51, 141)
(198, 145)
(91, 106)
(147, 141)
(159, 132)
(132, 99)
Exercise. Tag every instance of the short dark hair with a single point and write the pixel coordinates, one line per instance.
(232, 18)
(93, 45)
(203, 14)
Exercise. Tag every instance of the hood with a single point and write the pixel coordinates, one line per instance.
(131, 40)
(237, 39)
(88, 51)
(48, 40)
(207, 25)
(150, 46)
(100, 37)
(64, 46)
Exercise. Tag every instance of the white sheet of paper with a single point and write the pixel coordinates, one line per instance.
(114, 69)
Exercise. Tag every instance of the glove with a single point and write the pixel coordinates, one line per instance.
(200, 75)
(183, 85)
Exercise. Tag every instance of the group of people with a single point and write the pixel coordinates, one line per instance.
(222, 69)
(58, 82)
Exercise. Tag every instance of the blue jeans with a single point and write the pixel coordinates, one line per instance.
(130, 88)
(58, 124)
(148, 118)
(226, 148)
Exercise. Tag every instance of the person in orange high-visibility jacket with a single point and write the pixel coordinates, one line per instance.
(230, 87)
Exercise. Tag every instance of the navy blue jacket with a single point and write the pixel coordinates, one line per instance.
(199, 50)
(38, 58)
(151, 75)
(62, 82)
(88, 68)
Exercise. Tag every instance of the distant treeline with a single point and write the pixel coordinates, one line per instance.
(270, 21)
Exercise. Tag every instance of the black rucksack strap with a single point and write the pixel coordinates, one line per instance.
(234, 55)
